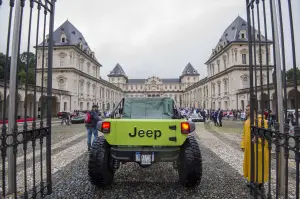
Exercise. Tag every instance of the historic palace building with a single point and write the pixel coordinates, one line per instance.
(77, 83)
(155, 86)
(76, 70)
(228, 70)
(224, 87)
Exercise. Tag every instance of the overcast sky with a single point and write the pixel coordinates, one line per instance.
(157, 37)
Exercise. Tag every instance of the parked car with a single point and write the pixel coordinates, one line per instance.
(194, 117)
(59, 114)
(78, 119)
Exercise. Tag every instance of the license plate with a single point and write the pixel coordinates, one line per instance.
(146, 159)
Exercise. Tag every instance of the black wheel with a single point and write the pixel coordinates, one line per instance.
(190, 163)
(99, 170)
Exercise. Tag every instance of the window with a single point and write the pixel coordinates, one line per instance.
(61, 84)
(244, 59)
(63, 40)
(46, 63)
(235, 55)
(224, 63)
(81, 87)
(65, 106)
(219, 88)
(94, 89)
(88, 89)
(243, 36)
(219, 67)
(245, 82)
(225, 86)
(62, 61)
(88, 69)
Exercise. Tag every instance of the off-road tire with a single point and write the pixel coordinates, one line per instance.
(99, 170)
(190, 163)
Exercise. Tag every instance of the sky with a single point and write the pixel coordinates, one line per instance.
(157, 37)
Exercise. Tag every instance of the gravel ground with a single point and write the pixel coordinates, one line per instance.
(220, 180)
(159, 181)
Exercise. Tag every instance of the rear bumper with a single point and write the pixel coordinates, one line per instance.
(166, 154)
(197, 120)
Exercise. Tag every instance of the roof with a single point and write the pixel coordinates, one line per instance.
(189, 70)
(73, 37)
(117, 71)
(232, 34)
(164, 81)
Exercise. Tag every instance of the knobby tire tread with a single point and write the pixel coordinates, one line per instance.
(190, 166)
(100, 174)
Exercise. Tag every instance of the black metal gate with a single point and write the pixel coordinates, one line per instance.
(274, 117)
(25, 141)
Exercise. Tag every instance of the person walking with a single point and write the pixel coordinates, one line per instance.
(246, 147)
(220, 117)
(91, 120)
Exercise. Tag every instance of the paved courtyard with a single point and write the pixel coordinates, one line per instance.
(222, 168)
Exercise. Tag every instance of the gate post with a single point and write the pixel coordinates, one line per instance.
(49, 95)
(279, 96)
(12, 98)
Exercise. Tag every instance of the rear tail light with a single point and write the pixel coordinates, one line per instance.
(185, 128)
(105, 127)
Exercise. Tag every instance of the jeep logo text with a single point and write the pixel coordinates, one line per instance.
(142, 133)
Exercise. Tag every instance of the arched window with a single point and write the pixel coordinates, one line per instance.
(63, 38)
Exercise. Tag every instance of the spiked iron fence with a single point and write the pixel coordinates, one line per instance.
(26, 149)
(273, 176)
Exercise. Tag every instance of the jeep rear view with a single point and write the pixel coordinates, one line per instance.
(145, 131)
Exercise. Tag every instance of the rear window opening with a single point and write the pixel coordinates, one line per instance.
(148, 108)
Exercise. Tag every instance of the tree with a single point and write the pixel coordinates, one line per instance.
(22, 67)
(274, 76)
(290, 74)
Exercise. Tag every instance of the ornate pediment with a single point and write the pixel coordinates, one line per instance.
(244, 76)
(244, 51)
(61, 77)
(62, 54)
(153, 81)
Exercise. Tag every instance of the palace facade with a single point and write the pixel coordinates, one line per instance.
(227, 69)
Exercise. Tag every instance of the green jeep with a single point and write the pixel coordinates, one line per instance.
(145, 131)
